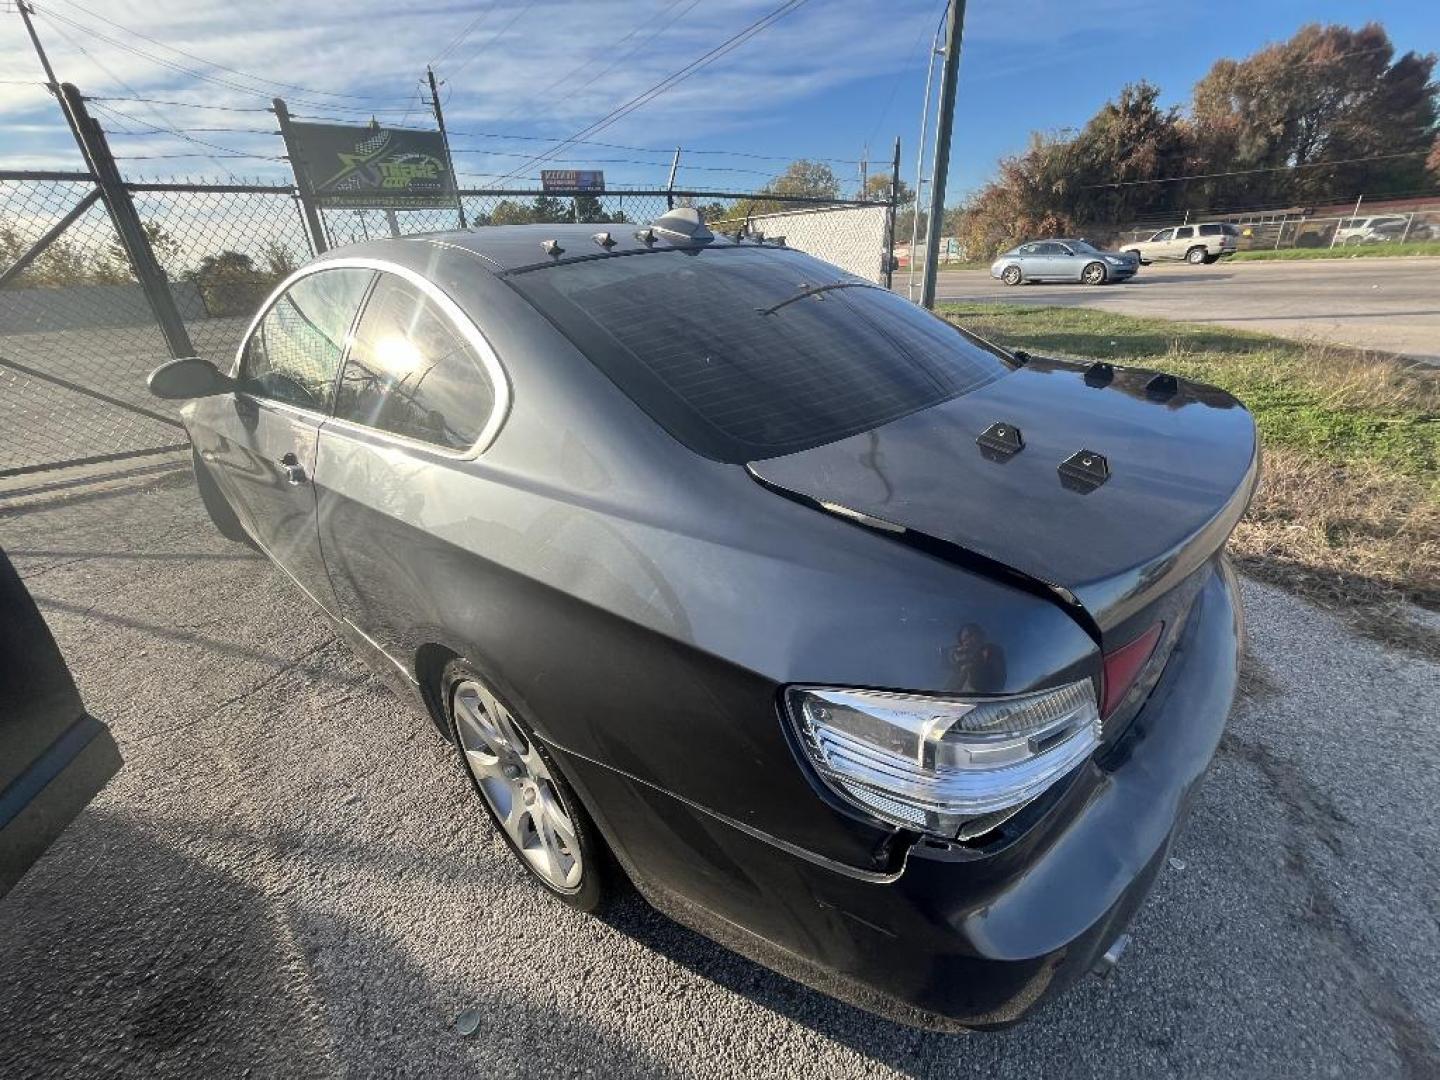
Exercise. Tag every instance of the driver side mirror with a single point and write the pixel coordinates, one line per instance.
(188, 377)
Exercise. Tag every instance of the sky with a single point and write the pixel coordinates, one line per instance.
(832, 79)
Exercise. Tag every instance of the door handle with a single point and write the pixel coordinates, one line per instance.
(293, 470)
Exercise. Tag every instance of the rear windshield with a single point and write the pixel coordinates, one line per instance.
(733, 352)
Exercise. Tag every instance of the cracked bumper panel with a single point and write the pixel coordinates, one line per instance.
(957, 937)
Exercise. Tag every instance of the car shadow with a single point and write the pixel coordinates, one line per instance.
(127, 955)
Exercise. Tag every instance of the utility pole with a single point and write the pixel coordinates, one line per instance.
(864, 170)
(129, 229)
(445, 140)
(51, 81)
(945, 120)
(920, 181)
(894, 213)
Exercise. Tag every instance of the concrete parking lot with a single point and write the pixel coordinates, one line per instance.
(1392, 305)
(290, 877)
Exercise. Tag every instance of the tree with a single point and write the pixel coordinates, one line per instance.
(1432, 163)
(1328, 94)
(588, 208)
(164, 246)
(1259, 130)
(549, 208)
(510, 212)
(229, 283)
(801, 179)
(878, 189)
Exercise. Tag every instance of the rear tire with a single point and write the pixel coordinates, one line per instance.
(1197, 256)
(528, 799)
(1011, 275)
(1094, 274)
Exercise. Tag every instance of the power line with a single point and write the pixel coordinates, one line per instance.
(614, 161)
(227, 151)
(182, 104)
(670, 6)
(1247, 172)
(618, 60)
(214, 64)
(650, 149)
(670, 81)
(105, 68)
(456, 42)
(180, 68)
(479, 49)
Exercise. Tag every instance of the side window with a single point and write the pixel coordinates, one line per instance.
(1211, 230)
(1163, 234)
(1030, 249)
(411, 372)
(1185, 232)
(294, 353)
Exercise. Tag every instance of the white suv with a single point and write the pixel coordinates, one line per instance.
(1194, 244)
(1369, 230)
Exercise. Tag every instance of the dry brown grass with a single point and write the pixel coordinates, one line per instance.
(1354, 538)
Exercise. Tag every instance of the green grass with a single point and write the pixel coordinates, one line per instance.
(1348, 513)
(1357, 251)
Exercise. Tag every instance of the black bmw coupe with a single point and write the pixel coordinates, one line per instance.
(880, 654)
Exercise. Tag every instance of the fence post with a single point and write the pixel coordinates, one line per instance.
(894, 213)
(131, 232)
(313, 224)
(670, 184)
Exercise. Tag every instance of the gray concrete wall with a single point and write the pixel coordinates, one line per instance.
(88, 307)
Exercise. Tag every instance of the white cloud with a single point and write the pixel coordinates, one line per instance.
(504, 78)
(510, 74)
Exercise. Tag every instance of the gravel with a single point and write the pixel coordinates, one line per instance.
(290, 877)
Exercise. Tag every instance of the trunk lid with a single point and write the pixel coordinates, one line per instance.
(1180, 461)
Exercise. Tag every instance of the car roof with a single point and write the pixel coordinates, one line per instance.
(510, 247)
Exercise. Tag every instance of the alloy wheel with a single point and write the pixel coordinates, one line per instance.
(1094, 274)
(1011, 276)
(515, 780)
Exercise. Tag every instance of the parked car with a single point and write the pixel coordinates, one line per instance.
(1370, 230)
(715, 559)
(1062, 260)
(1195, 244)
(54, 756)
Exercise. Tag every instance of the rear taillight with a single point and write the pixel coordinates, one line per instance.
(1124, 665)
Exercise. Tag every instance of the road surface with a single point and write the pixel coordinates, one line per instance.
(291, 877)
(1388, 304)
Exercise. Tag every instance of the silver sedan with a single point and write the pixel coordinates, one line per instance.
(1062, 260)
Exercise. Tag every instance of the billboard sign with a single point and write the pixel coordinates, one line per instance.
(572, 179)
(371, 166)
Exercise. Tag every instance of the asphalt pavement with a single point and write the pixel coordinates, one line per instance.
(1392, 305)
(290, 876)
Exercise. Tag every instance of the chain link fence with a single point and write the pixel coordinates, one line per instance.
(1279, 230)
(80, 330)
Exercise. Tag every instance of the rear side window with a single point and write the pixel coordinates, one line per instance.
(1211, 230)
(735, 353)
(412, 373)
(295, 351)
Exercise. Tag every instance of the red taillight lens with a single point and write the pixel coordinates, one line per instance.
(1123, 666)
